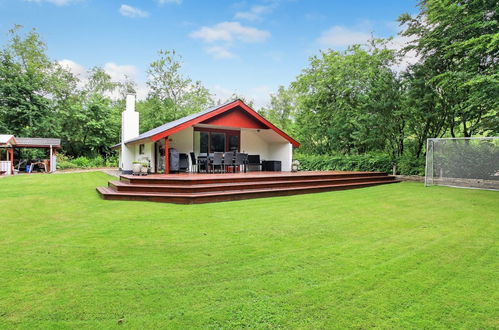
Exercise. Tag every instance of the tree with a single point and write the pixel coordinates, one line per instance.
(25, 72)
(348, 102)
(90, 120)
(171, 93)
(426, 114)
(237, 96)
(458, 40)
(281, 110)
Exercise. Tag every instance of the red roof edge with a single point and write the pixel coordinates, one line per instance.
(220, 110)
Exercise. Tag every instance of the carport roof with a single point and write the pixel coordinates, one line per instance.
(28, 142)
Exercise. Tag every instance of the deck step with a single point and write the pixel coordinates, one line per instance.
(123, 186)
(219, 196)
(196, 179)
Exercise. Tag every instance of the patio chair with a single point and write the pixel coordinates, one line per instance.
(254, 160)
(183, 163)
(218, 160)
(228, 159)
(240, 160)
(202, 161)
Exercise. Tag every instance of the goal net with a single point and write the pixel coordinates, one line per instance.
(463, 162)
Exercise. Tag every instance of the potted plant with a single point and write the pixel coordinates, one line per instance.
(136, 168)
(144, 169)
(295, 165)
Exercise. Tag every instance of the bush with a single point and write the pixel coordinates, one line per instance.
(65, 162)
(81, 162)
(364, 162)
(410, 165)
(406, 165)
(112, 161)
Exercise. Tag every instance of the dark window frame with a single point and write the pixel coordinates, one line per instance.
(227, 132)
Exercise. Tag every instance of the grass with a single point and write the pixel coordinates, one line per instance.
(393, 256)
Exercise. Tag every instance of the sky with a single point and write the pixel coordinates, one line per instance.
(243, 47)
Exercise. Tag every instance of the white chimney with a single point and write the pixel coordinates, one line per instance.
(129, 130)
(129, 120)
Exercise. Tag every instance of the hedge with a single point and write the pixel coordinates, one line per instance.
(65, 162)
(362, 162)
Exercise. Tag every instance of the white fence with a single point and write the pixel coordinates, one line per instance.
(6, 166)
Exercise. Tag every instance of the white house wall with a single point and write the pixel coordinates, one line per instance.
(282, 152)
(148, 154)
(127, 156)
(253, 144)
(183, 141)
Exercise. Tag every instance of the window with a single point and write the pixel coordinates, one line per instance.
(233, 142)
(204, 141)
(141, 149)
(215, 140)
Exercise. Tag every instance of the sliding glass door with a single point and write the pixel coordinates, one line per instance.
(208, 140)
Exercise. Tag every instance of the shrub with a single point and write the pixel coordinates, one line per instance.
(364, 162)
(111, 161)
(410, 165)
(407, 165)
(81, 162)
(65, 162)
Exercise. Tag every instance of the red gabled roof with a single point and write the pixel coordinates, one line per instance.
(217, 111)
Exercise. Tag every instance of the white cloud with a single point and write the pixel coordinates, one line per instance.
(340, 36)
(222, 94)
(260, 96)
(118, 73)
(255, 13)
(409, 58)
(219, 52)
(162, 2)
(55, 2)
(133, 12)
(229, 32)
(73, 67)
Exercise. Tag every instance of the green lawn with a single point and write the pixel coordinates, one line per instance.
(393, 256)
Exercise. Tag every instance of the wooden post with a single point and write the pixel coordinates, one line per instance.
(11, 158)
(50, 160)
(167, 161)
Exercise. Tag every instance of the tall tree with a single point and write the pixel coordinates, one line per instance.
(172, 95)
(426, 113)
(281, 110)
(90, 119)
(349, 101)
(25, 85)
(458, 40)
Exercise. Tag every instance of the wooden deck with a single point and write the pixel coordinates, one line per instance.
(193, 188)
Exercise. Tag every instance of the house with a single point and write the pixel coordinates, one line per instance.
(232, 126)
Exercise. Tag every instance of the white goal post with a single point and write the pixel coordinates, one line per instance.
(463, 162)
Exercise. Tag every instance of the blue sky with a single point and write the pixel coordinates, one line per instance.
(247, 47)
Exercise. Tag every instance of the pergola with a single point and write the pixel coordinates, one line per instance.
(9, 143)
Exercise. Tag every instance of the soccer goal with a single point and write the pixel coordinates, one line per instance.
(463, 162)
